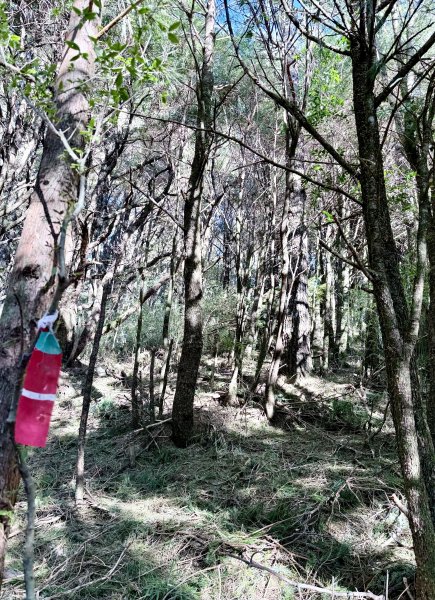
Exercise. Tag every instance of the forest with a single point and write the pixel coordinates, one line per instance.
(217, 299)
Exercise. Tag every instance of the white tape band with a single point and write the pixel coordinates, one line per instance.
(36, 396)
(48, 320)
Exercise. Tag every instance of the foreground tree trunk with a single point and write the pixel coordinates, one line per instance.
(182, 411)
(31, 283)
(399, 328)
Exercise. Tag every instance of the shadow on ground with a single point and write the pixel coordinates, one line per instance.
(161, 523)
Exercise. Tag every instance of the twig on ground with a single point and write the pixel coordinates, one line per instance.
(381, 426)
(306, 586)
(407, 592)
(80, 550)
(400, 505)
(94, 582)
(183, 581)
(152, 425)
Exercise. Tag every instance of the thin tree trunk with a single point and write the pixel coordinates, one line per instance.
(152, 403)
(167, 365)
(266, 333)
(182, 411)
(87, 393)
(372, 350)
(242, 269)
(431, 323)
(167, 345)
(298, 351)
(257, 306)
(169, 297)
(136, 400)
(342, 289)
(283, 298)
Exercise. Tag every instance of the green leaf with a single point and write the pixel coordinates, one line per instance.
(329, 216)
(123, 94)
(72, 45)
(118, 80)
(89, 15)
(173, 38)
(175, 26)
(14, 40)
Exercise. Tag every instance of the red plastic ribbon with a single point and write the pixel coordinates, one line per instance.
(36, 401)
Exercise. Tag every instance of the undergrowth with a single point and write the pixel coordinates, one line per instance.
(169, 524)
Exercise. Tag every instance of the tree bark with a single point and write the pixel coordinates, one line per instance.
(298, 351)
(182, 411)
(284, 293)
(136, 400)
(342, 290)
(414, 448)
(31, 283)
(243, 266)
(152, 403)
(165, 368)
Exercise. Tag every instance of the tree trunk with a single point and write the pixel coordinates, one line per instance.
(242, 275)
(414, 448)
(342, 290)
(167, 345)
(275, 364)
(298, 351)
(270, 283)
(162, 391)
(182, 411)
(152, 400)
(169, 296)
(87, 392)
(431, 322)
(30, 286)
(136, 400)
(373, 348)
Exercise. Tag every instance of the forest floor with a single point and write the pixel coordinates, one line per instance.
(310, 498)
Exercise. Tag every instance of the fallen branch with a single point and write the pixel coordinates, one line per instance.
(183, 581)
(80, 551)
(400, 505)
(306, 586)
(94, 582)
(151, 425)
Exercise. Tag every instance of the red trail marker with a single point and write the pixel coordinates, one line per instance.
(36, 401)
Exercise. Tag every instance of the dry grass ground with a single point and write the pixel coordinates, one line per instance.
(309, 497)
